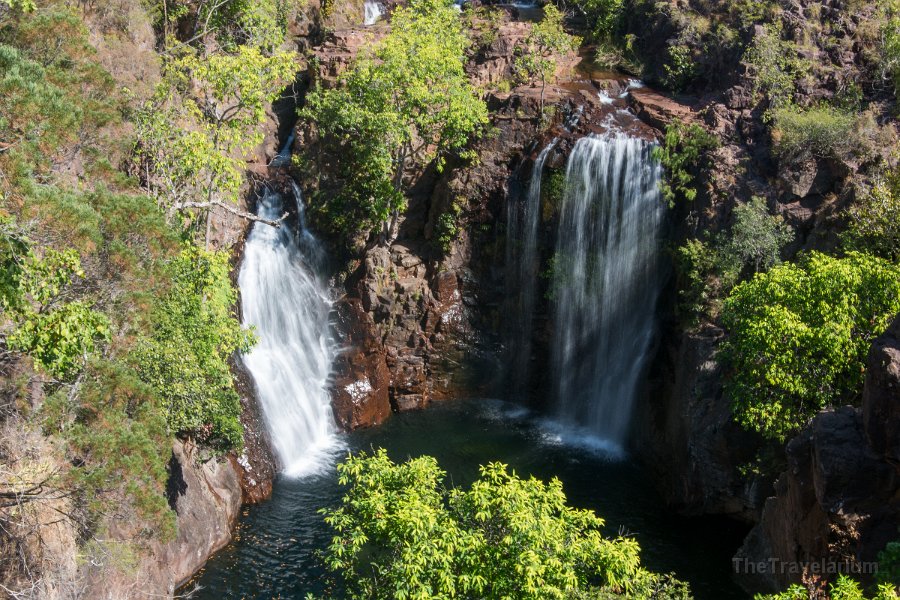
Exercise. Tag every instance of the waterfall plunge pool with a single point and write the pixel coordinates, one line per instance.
(273, 554)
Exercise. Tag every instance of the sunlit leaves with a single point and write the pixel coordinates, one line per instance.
(185, 360)
(205, 119)
(799, 335)
(408, 102)
(58, 333)
(401, 534)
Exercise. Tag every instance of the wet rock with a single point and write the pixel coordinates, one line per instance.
(256, 466)
(361, 381)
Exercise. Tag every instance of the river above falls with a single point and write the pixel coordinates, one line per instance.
(273, 554)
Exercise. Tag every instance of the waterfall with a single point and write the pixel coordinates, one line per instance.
(606, 282)
(287, 304)
(522, 220)
(372, 12)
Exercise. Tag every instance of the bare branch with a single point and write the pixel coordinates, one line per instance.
(232, 209)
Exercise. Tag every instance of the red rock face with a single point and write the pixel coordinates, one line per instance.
(359, 390)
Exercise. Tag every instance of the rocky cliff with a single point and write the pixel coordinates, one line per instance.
(838, 502)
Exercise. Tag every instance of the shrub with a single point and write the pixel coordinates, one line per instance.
(606, 16)
(889, 564)
(681, 155)
(754, 243)
(775, 66)
(706, 270)
(185, 358)
(680, 68)
(799, 336)
(829, 132)
(843, 588)
(819, 132)
(447, 227)
(401, 534)
(121, 444)
(875, 221)
(694, 265)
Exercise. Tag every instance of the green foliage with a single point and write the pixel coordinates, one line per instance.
(843, 588)
(821, 131)
(754, 243)
(407, 102)
(606, 16)
(706, 270)
(536, 56)
(56, 332)
(121, 442)
(447, 226)
(694, 265)
(203, 122)
(23, 5)
(890, 43)
(54, 98)
(874, 222)
(775, 66)
(889, 565)
(680, 68)
(185, 359)
(681, 154)
(401, 534)
(799, 336)
(261, 24)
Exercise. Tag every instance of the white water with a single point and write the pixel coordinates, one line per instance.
(287, 303)
(606, 282)
(372, 12)
(522, 259)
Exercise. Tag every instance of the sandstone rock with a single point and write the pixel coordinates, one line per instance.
(206, 497)
(658, 110)
(361, 380)
(256, 466)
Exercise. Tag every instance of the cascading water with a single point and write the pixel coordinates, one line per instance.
(522, 220)
(606, 281)
(371, 12)
(287, 304)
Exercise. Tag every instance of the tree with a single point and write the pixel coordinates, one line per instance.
(58, 332)
(206, 117)
(755, 241)
(185, 358)
(401, 534)
(799, 336)
(536, 59)
(406, 103)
